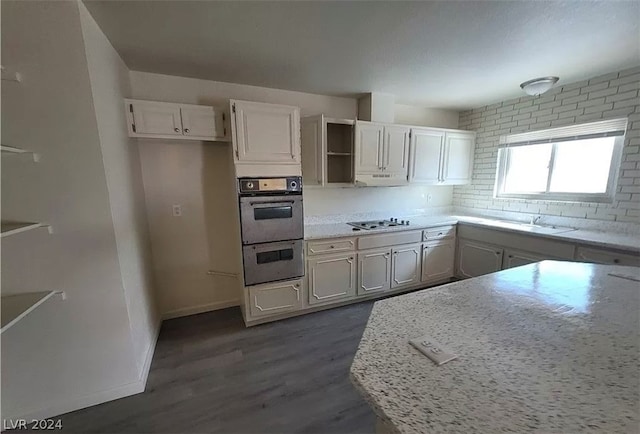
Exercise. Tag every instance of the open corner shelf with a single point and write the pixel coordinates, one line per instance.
(10, 150)
(12, 228)
(17, 306)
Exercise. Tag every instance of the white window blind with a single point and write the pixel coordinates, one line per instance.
(591, 130)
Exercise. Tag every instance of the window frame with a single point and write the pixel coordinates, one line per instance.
(606, 197)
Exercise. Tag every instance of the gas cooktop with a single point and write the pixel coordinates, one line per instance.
(378, 224)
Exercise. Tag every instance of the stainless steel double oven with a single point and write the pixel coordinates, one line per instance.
(272, 225)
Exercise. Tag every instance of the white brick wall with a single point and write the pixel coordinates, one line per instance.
(608, 96)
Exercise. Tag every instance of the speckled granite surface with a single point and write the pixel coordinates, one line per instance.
(549, 347)
(626, 242)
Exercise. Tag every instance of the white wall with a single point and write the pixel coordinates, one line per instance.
(110, 84)
(66, 353)
(428, 117)
(198, 176)
(395, 200)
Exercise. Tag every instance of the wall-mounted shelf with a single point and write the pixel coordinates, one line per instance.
(12, 228)
(17, 306)
(10, 150)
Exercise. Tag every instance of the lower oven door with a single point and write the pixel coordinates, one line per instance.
(269, 262)
(271, 218)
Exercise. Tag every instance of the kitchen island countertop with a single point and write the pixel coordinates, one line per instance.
(547, 347)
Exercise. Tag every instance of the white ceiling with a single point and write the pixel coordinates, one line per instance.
(449, 54)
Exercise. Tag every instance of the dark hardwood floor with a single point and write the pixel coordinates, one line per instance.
(210, 374)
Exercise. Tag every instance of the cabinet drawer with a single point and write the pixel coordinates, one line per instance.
(394, 239)
(606, 257)
(438, 233)
(275, 298)
(331, 246)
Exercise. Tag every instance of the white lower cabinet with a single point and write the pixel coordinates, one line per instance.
(515, 258)
(437, 260)
(332, 278)
(274, 298)
(374, 271)
(405, 265)
(598, 256)
(476, 259)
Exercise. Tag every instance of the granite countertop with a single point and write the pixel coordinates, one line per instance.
(625, 242)
(548, 347)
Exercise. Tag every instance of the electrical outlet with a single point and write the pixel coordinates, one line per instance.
(177, 210)
(429, 198)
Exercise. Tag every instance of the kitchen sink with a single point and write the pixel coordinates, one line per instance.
(533, 228)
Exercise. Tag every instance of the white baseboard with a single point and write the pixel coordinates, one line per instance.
(146, 367)
(98, 397)
(192, 310)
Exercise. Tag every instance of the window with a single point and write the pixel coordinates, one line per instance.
(577, 163)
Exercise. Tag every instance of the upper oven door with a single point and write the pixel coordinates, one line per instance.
(271, 218)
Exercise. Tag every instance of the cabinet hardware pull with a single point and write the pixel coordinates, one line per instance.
(616, 261)
(497, 253)
(297, 285)
(511, 256)
(177, 130)
(186, 130)
(351, 258)
(331, 247)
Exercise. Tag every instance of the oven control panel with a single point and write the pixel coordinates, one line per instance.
(292, 184)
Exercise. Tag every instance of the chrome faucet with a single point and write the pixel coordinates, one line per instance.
(535, 219)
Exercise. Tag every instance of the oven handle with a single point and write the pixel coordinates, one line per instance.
(271, 203)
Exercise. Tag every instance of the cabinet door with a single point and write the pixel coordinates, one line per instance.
(458, 158)
(426, 156)
(203, 122)
(396, 150)
(599, 256)
(405, 265)
(374, 271)
(476, 259)
(313, 142)
(437, 260)
(156, 118)
(274, 298)
(515, 258)
(369, 147)
(332, 278)
(266, 133)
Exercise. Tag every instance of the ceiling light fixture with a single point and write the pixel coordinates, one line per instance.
(538, 86)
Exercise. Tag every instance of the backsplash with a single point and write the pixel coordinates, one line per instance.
(391, 201)
(608, 96)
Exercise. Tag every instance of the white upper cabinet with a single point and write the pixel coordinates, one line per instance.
(202, 122)
(441, 157)
(313, 139)
(369, 147)
(458, 158)
(426, 153)
(396, 150)
(266, 133)
(327, 150)
(382, 153)
(153, 119)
